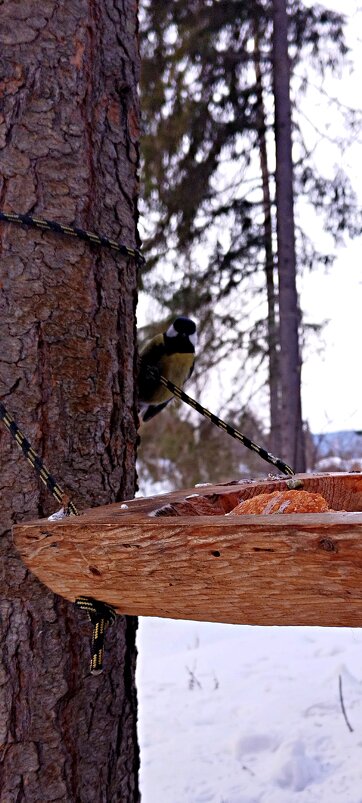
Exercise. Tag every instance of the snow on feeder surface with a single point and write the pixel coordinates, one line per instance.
(179, 555)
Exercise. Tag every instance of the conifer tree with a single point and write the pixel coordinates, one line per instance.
(209, 190)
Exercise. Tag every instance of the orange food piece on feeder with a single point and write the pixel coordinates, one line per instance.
(282, 502)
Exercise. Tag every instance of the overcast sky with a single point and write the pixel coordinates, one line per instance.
(332, 381)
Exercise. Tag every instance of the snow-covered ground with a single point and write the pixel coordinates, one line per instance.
(231, 714)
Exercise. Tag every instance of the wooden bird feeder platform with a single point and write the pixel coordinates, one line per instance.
(179, 556)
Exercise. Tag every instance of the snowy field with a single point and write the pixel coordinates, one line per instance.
(231, 714)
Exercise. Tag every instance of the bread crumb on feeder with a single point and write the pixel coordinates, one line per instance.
(282, 502)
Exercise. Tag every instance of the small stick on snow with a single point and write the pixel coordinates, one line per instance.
(349, 726)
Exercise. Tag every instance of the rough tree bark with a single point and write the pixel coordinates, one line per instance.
(69, 152)
(290, 360)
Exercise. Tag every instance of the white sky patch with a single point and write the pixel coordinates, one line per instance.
(331, 378)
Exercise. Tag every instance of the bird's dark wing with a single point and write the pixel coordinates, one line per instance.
(154, 409)
(150, 356)
(153, 351)
(190, 372)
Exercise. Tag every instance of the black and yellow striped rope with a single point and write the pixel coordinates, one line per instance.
(73, 231)
(234, 433)
(101, 615)
(35, 461)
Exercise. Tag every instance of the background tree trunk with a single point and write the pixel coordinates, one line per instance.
(290, 361)
(270, 270)
(69, 152)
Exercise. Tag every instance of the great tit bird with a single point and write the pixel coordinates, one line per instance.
(173, 354)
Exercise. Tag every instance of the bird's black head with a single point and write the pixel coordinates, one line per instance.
(182, 326)
(183, 329)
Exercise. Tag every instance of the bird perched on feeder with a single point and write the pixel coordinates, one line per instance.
(172, 354)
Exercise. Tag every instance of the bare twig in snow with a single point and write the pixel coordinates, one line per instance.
(193, 681)
(349, 726)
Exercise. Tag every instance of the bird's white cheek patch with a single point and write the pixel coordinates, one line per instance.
(171, 331)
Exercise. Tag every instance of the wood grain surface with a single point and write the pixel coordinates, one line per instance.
(179, 556)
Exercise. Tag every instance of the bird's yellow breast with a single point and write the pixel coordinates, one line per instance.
(176, 368)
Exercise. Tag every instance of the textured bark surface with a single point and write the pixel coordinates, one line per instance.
(178, 555)
(69, 152)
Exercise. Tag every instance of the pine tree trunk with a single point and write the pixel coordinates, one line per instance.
(69, 152)
(290, 361)
(272, 325)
